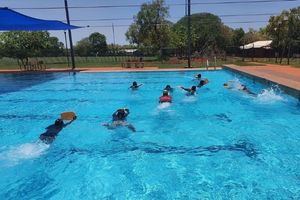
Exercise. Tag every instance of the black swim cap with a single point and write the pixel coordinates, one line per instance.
(58, 122)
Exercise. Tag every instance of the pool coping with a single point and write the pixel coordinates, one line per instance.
(109, 69)
(288, 88)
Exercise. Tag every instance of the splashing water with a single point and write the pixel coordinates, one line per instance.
(23, 152)
(191, 98)
(270, 95)
(163, 105)
(235, 84)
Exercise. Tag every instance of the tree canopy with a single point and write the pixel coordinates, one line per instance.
(150, 27)
(24, 44)
(284, 31)
(93, 45)
(208, 33)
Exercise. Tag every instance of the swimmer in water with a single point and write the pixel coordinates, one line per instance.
(198, 77)
(53, 130)
(119, 118)
(165, 98)
(227, 86)
(244, 89)
(135, 86)
(169, 88)
(202, 83)
(191, 91)
(241, 88)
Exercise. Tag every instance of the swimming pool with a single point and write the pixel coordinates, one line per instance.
(220, 144)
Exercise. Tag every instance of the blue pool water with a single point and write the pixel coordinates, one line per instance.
(220, 144)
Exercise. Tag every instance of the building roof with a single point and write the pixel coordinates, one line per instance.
(257, 45)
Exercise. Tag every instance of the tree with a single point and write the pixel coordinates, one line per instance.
(55, 48)
(83, 47)
(93, 45)
(252, 36)
(22, 45)
(98, 44)
(150, 27)
(208, 33)
(284, 31)
(238, 35)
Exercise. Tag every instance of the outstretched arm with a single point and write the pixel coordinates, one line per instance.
(68, 123)
(186, 89)
(131, 127)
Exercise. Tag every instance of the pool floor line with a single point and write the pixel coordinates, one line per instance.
(287, 78)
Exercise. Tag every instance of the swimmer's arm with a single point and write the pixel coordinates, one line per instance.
(131, 127)
(115, 113)
(109, 126)
(68, 123)
(186, 89)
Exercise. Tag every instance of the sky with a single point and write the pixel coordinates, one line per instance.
(176, 12)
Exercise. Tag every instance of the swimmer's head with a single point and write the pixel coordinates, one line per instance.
(225, 84)
(168, 87)
(243, 87)
(165, 93)
(58, 122)
(193, 88)
(134, 83)
(126, 110)
(198, 76)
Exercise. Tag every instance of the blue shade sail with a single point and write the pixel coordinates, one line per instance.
(11, 20)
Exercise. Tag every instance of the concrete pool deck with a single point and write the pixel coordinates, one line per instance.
(288, 78)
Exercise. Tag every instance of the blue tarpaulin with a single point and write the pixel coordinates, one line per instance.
(11, 20)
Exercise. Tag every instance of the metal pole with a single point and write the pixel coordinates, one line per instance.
(70, 35)
(67, 50)
(185, 12)
(189, 33)
(253, 52)
(114, 39)
(243, 53)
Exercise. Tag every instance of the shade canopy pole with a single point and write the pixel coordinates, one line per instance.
(189, 32)
(70, 35)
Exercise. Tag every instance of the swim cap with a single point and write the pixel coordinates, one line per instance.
(126, 110)
(165, 92)
(58, 122)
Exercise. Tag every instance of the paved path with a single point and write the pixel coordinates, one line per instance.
(285, 76)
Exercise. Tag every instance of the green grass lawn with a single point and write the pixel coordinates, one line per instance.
(90, 62)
